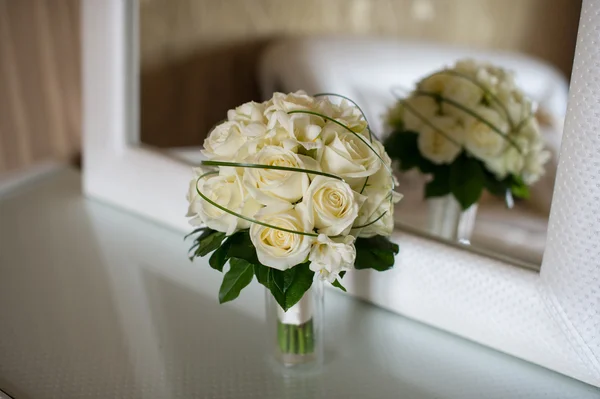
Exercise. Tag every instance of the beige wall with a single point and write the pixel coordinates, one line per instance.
(40, 111)
(199, 56)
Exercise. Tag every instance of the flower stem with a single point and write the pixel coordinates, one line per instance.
(301, 341)
(296, 339)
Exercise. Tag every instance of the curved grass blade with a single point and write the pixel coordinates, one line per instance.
(205, 198)
(275, 167)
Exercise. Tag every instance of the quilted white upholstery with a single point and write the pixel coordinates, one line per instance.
(571, 268)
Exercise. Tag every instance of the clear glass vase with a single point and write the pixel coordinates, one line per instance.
(296, 336)
(446, 219)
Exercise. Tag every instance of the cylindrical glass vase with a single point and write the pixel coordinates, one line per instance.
(296, 336)
(446, 219)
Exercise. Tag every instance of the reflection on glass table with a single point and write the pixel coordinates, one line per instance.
(98, 303)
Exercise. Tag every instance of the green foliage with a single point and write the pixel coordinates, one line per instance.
(339, 285)
(376, 253)
(403, 147)
(220, 257)
(240, 274)
(519, 188)
(287, 286)
(466, 180)
(440, 185)
(205, 243)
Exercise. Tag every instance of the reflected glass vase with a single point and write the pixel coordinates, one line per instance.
(295, 337)
(446, 219)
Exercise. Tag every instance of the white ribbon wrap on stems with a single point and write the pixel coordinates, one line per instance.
(300, 313)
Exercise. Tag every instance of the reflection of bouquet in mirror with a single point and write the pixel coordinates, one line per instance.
(293, 188)
(472, 129)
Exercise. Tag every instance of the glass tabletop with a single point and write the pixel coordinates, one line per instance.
(98, 303)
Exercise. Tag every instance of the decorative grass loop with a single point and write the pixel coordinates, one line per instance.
(351, 131)
(205, 198)
(356, 105)
(275, 167)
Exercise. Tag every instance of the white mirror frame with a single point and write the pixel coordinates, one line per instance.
(551, 318)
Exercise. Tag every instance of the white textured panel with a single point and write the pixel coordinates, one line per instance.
(571, 268)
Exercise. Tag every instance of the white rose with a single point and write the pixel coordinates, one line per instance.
(516, 110)
(277, 108)
(250, 112)
(483, 141)
(395, 115)
(329, 258)
(228, 192)
(306, 130)
(497, 166)
(279, 249)
(437, 147)
(467, 66)
(531, 134)
(435, 83)
(271, 186)
(416, 110)
(332, 204)
(278, 137)
(463, 92)
(289, 102)
(346, 155)
(487, 78)
(344, 112)
(513, 161)
(380, 200)
(534, 166)
(224, 141)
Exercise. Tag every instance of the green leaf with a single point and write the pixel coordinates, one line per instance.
(376, 252)
(241, 247)
(278, 278)
(219, 258)
(466, 180)
(519, 188)
(195, 231)
(293, 282)
(262, 274)
(494, 186)
(240, 274)
(440, 185)
(339, 285)
(288, 278)
(402, 146)
(209, 241)
(302, 281)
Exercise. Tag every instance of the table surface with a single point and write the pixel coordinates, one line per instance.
(98, 303)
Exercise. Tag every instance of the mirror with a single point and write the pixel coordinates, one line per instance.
(199, 58)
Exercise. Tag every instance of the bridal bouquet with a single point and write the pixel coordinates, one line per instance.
(293, 187)
(471, 128)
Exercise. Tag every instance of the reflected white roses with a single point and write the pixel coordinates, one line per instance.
(470, 128)
(303, 174)
(476, 106)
